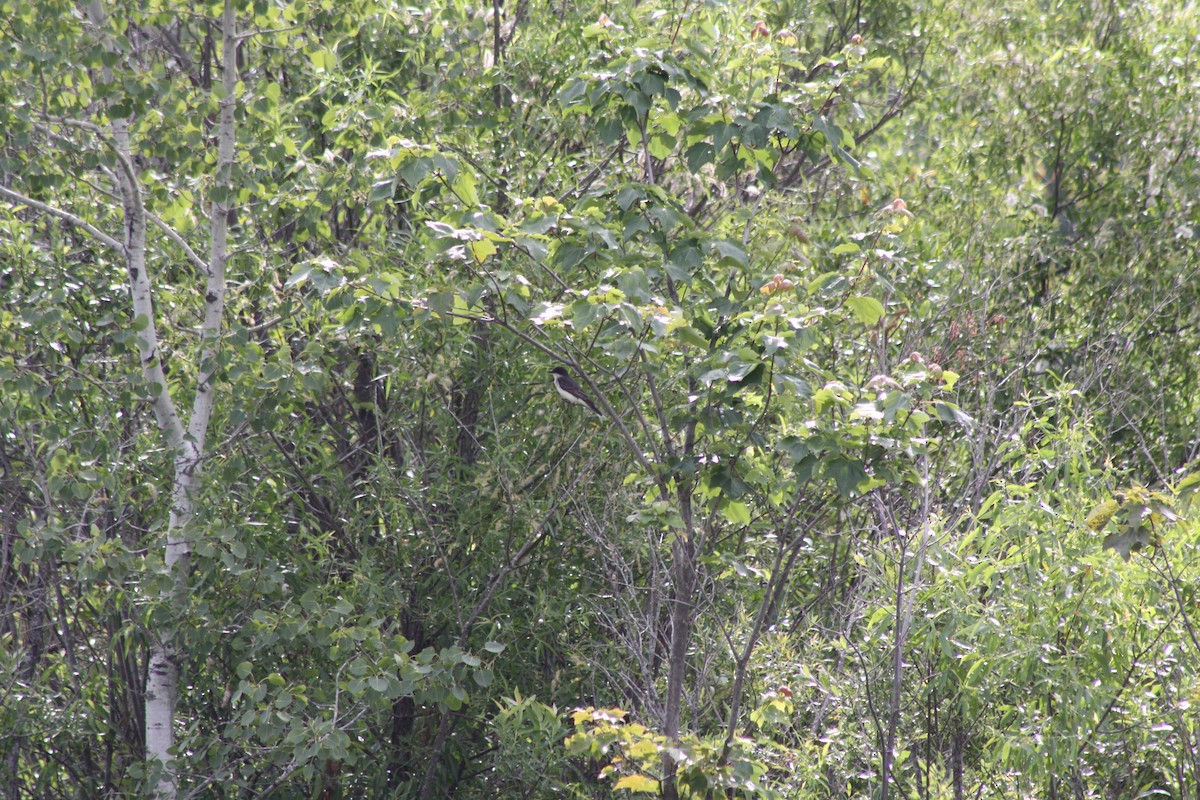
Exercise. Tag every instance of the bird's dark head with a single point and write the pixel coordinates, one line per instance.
(559, 371)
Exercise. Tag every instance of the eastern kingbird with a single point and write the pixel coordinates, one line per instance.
(569, 390)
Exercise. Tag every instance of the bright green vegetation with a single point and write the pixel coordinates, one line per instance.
(892, 308)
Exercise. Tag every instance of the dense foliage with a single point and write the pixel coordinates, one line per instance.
(891, 311)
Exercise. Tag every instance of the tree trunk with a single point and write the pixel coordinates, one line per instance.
(187, 444)
(684, 553)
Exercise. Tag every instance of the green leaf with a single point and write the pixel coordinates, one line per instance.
(827, 283)
(441, 302)
(722, 477)
(323, 60)
(383, 190)
(847, 474)
(792, 386)
(415, 170)
(949, 412)
(731, 251)
(661, 145)
(794, 446)
(1127, 539)
(745, 372)
(773, 344)
(1187, 489)
(868, 310)
(736, 512)
(832, 133)
(690, 336)
(700, 154)
(465, 188)
(575, 91)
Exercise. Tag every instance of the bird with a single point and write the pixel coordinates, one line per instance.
(569, 390)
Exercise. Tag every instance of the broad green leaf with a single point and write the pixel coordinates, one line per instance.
(699, 155)
(833, 134)
(773, 344)
(868, 310)
(847, 474)
(323, 60)
(690, 336)
(1127, 539)
(736, 512)
(827, 283)
(949, 412)
(383, 190)
(730, 250)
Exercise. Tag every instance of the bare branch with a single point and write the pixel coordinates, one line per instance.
(65, 216)
(174, 236)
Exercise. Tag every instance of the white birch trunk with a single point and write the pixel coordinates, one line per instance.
(187, 444)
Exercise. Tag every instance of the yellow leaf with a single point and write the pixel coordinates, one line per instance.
(481, 250)
(643, 748)
(638, 783)
(1102, 513)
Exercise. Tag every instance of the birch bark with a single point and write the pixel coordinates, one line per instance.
(186, 441)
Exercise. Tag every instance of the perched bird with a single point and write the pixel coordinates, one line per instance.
(569, 390)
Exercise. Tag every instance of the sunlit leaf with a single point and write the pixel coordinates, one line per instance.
(637, 783)
(868, 310)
